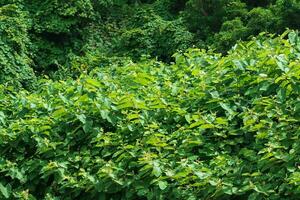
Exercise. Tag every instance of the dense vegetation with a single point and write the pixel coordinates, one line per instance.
(53, 35)
(149, 99)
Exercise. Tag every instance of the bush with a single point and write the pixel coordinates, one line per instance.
(207, 126)
(156, 37)
(231, 31)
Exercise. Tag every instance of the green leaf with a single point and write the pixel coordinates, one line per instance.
(227, 108)
(297, 107)
(93, 82)
(221, 121)
(162, 185)
(2, 118)
(207, 126)
(198, 123)
(4, 191)
(156, 169)
(59, 113)
(281, 94)
(81, 118)
(201, 175)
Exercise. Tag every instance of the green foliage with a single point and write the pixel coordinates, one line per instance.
(205, 127)
(58, 31)
(58, 16)
(231, 31)
(206, 16)
(14, 60)
(155, 36)
(289, 10)
(259, 19)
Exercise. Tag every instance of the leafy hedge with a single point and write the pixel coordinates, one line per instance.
(205, 127)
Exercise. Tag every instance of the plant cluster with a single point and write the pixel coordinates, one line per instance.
(204, 127)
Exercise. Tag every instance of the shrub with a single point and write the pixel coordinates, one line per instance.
(207, 126)
(156, 37)
(231, 31)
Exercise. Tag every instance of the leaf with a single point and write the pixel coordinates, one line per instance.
(281, 94)
(81, 118)
(156, 169)
(2, 118)
(188, 118)
(297, 107)
(4, 191)
(293, 38)
(198, 123)
(227, 108)
(105, 115)
(214, 94)
(17, 173)
(88, 126)
(133, 116)
(162, 185)
(282, 63)
(239, 64)
(59, 113)
(125, 103)
(93, 82)
(264, 86)
(201, 175)
(221, 121)
(207, 126)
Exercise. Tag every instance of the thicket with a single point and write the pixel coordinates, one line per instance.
(113, 99)
(52, 35)
(205, 127)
